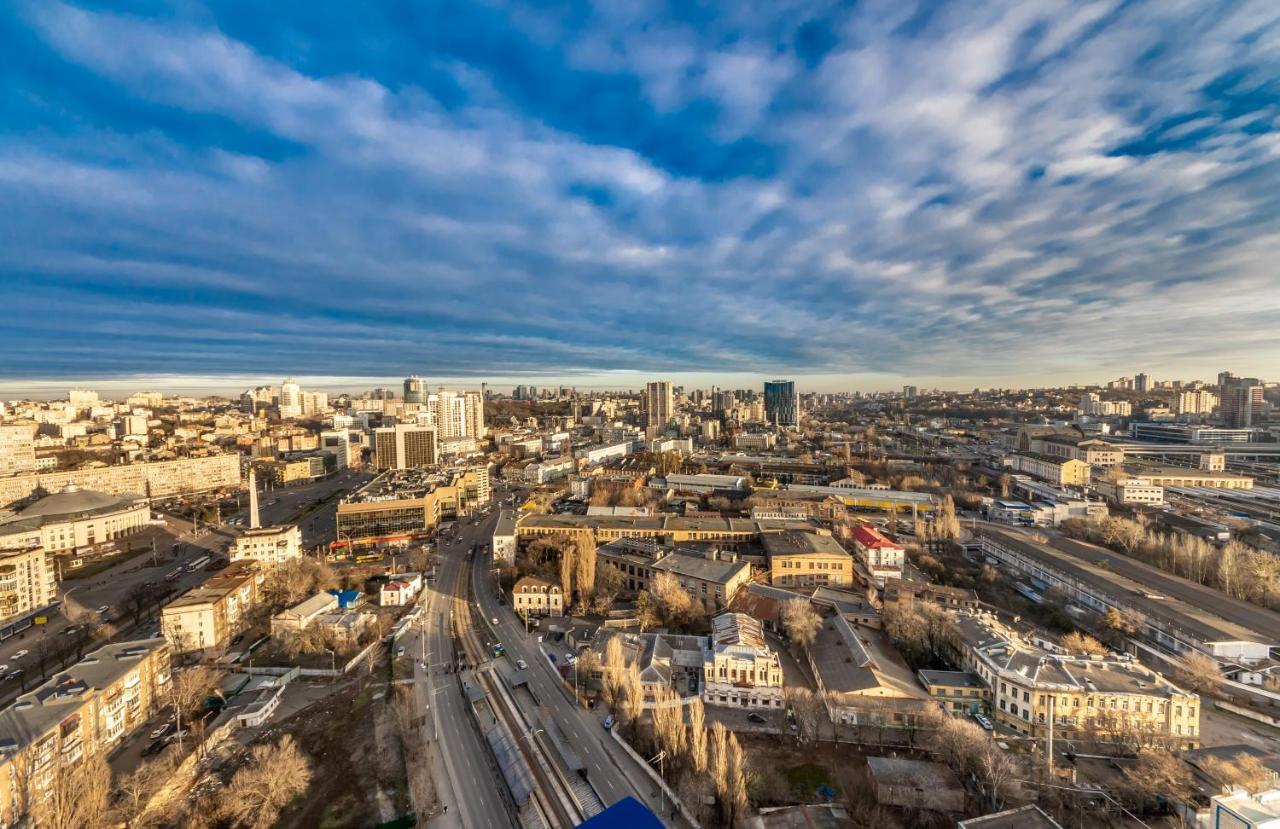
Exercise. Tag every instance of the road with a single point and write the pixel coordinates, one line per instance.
(610, 770)
(454, 735)
(278, 505)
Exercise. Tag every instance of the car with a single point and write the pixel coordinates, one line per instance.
(521, 664)
(608, 722)
(177, 735)
(3, 669)
(400, 651)
(161, 731)
(14, 674)
(104, 608)
(494, 620)
(569, 659)
(155, 748)
(20, 654)
(72, 630)
(756, 718)
(551, 656)
(983, 721)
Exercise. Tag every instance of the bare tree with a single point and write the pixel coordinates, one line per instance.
(72, 795)
(1076, 642)
(567, 571)
(697, 736)
(800, 621)
(135, 790)
(1243, 770)
(646, 611)
(719, 759)
(188, 688)
(585, 569)
(260, 790)
(613, 669)
(668, 722)
(632, 694)
(1158, 775)
(1200, 673)
(675, 601)
(736, 790)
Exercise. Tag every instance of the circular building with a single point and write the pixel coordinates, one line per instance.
(75, 518)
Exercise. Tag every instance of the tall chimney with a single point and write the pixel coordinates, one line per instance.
(253, 499)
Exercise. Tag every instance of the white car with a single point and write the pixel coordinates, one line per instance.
(4, 669)
(104, 608)
(20, 654)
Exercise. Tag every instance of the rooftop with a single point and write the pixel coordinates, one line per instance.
(799, 543)
(1023, 817)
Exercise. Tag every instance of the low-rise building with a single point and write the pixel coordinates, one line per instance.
(883, 557)
(914, 784)
(85, 709)
(711, 576)
(806, 559)
(207, 616)
(960, 693)
(862, 679)
(899, 595)
(296, 619)
(1205, 478)
(1110, 696)
(1090, 450)
(1056, 470)
(664, 660)
(77, 518)
(544, 472)
(532, 596)
(504, 537)
(268, 545)
(741, 669)
(401, 590)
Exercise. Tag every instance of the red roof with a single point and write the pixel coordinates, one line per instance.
(869, 536)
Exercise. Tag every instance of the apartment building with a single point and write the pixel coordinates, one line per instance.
(405, 446)
(711, 576)
(1056, 470)
(269, 546)
(87, 708)
(542, 472)
(532, 596)
(17, 448)
(207, 616)
(157, 479)
(1112, 696)
(28, 582)
(658, 405)
(806, 559)
(741, 669)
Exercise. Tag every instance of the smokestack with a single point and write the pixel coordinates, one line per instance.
(253, 499)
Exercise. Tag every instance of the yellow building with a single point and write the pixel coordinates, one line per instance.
(806, 559)
(158, 479)
(662, 529)
(27, 580)
(207, 616)
(408, 504)
(741, 670)
(1060, 471)
(1110, 697)
(87, 708)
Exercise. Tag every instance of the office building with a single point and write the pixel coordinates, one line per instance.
(269, 546)
(1142, 383)
(17, 448)
(658, 406)
(405, 446)
(781, 403)
(407, 505)
(910, 392)
(87, 708)
(415, 390)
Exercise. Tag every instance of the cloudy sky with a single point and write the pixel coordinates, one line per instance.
(853, 194)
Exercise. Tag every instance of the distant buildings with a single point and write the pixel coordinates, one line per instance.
(405, 446)
(415, 390)
(1241, 402)
(781, 403)
(157, 479)
(17, 448)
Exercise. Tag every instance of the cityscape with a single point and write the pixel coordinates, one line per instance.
(605, 415)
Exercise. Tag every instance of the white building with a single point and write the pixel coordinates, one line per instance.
(76, 518)
(543, 472)
(269, 545)
(740, 668)
(504, 537)
(400, 590)
(17, 448)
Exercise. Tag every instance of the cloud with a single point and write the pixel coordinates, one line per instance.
(1009, 190)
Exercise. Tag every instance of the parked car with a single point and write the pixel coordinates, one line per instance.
(521, 664)
(20, 654)
(756, 718)
(608, 722)
(104, 608)
(12, 675)
(494, 620)
(569, 659)
(161, 731)
(72, 630)
(400, 650)
(983, 721)
(155, 748)
(551, 656)
(177, 735)
(3, 669)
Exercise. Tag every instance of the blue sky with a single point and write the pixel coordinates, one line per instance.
(858, 193)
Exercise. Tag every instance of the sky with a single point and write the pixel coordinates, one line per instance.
(856, 195)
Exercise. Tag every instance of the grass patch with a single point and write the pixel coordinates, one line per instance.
(805, 779)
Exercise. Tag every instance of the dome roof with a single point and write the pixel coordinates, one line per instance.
(73, 501)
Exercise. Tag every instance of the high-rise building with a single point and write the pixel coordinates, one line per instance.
(82, 399)
(415, 391)
(1240, 400)
(1196, 401)
(658, 406)
(1141, 382)
(910, 392)
(290, 399)
(17, 448)
(405, 446)
(473, 413)
(781, 403)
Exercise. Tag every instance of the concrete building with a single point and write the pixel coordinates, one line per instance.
(76, 518)
(268, 545)
(1167, 476)
(806, 559)
(1196, 401)
(415, 390)
(862, 678)
(658, 406)
(405, 446)
(401, 590)
(1090, 450)
(661, 529)
(408, 505)
(1060, 471)
(155, 480)
(87, 708)
(17, 448)
(1239, 809)
(1033, 689)
(1241, 401)
(960, 693)
(296, 619)
(504, 537)
(755, 441)
(741, 669)
(706, 483)
(532, 596)
(544, 472)
(915, 784)
(206, 617)
(28, 581)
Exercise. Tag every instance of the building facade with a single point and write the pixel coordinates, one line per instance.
(741, 669)
(268, 545)
(207, 616)
(806, 559)
(155, 480)
(531, 596)
(781, 403)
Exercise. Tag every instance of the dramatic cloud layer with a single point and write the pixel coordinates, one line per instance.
(952, 189)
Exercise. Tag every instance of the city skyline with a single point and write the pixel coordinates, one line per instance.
(1051, 192)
